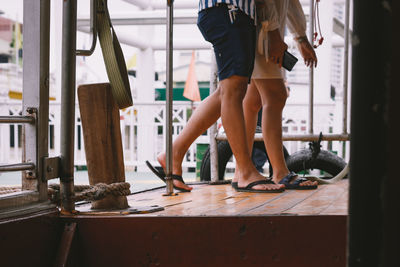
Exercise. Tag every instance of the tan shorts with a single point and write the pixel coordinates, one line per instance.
(264, 69)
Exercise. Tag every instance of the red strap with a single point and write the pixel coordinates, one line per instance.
(315, 17)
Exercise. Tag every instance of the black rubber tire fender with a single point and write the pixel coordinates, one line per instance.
(325, 161)
(224, 155)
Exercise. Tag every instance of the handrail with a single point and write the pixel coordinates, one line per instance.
(298, 137)
(93, 30)
(17, 119)
(17, 167)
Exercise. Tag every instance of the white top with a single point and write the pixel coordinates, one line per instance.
(247, 6)
(273, 15)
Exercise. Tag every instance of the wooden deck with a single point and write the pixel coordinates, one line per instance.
(223, 200)
(216, 226)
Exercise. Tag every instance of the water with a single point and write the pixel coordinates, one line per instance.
(139, 180)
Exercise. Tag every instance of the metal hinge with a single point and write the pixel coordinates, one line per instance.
(51, 168)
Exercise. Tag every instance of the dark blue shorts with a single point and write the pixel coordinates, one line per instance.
(234, 43)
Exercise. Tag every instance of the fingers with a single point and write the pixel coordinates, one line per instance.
(277, 59)
(274, 59)
(311, 61)
(280, 61)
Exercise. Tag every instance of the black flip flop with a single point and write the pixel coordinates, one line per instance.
(249, 187)
(161, 175)
(287, 181)
(234, 185)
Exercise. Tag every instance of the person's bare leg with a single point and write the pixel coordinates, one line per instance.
(251, 107)
(204, 116)
(273, 95)
(233, 90)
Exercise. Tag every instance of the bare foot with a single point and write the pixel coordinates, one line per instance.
(245, 179)
(176, 169)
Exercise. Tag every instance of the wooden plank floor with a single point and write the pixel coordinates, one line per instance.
(222, 200)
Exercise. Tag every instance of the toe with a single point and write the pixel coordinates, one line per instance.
(182, 185)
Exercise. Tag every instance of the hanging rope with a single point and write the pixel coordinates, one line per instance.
(315, 17)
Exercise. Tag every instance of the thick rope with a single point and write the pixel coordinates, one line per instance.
(9, 189)
(91, 193)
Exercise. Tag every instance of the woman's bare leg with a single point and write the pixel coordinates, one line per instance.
(273, 96)
(204, 116)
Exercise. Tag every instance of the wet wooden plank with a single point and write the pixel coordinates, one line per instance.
(320, 201)
(339, 206)
(222, 200)
(202, 201)
(280, 205)
(240, 204)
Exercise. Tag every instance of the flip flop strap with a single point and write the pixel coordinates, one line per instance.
(177, 177)
(288, 178)
(250, 185)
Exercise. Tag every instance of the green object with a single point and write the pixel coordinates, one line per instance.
(177, 94)
(113, 58)
(200, 150)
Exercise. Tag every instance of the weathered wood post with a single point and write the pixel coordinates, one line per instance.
(102, 136)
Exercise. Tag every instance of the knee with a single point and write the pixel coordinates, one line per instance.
(233, 87)
(276, 103)
(252, 105)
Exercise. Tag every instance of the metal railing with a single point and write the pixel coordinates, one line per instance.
(29, 119)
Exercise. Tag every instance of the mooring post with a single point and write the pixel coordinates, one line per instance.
(102, 137)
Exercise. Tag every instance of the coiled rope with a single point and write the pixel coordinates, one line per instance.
(82, 192)
(91, 193)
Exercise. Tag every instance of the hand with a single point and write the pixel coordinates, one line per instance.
(308, 53)
(276, 47)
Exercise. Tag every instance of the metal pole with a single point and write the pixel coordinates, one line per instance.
(299, 137)
(17, 167)
(311, 75)
(169, 95)
(213, 129)
(346, 64)
(35, 100)
(17, 119)
(68, 105)
(93, 30)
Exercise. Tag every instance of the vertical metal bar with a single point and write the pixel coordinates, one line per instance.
(311, 75)
(93, 30)
(65, 244)
(36, 89)
(346, 64)
(169, 95)
(68, 105)
(213, 129)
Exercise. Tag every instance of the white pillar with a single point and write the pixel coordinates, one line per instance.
(145, 93)
(322, 74)
(55, 46)
(55, 68)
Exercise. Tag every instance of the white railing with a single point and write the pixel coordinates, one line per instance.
(148, 136)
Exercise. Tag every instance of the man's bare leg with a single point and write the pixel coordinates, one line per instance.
(204, 116)
(251, 106)
(273, 96)
(233, 90)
